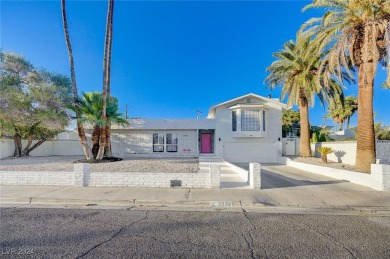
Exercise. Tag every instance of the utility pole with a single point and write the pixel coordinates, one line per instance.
(199, 112)
(126, 113)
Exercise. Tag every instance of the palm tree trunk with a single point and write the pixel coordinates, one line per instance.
(95, 140)
(305, 150)
(80, 128)
(107, 150)
(106, 79)
(365, 154)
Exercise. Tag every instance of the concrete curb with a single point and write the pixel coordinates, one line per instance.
(130, 203)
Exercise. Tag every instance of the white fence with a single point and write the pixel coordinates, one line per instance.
(344, 151)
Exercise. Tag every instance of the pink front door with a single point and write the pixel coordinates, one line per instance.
(205, 139)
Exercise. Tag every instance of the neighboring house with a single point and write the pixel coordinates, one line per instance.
(244, 129)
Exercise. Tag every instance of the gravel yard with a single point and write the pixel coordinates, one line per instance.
(318, 161)
(129, 164)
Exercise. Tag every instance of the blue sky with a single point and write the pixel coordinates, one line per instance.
(169, 58)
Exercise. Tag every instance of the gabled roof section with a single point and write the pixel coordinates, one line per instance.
(235, 101)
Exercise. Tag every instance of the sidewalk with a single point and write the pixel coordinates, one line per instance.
(162, 197)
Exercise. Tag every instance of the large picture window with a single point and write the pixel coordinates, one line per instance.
(158, 142)
(250, 120)
(172, 142)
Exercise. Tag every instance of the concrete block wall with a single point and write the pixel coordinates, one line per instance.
(36, 178)
(134, 179)
(81, 176)
(255, 176)
(381, 174)
(215, 176)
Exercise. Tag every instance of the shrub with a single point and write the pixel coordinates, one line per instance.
(325, 151)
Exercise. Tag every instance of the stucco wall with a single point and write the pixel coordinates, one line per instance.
(64, 144)
(345, 151)
(123, 142)
(140, 141)
(264, 145)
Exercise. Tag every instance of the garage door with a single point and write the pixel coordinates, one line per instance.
(249, 152)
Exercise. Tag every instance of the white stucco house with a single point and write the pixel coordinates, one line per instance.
(245, 129)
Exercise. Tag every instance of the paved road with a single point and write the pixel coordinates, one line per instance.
(95, 233)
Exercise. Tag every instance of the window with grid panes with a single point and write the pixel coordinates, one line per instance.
(250, 120)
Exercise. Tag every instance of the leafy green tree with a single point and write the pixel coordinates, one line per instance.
(32, 102)
(341, 110)
(296, 69)
(355, 34)
(289, 117)
(90, 107)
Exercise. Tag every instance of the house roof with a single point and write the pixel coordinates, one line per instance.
(265, 99)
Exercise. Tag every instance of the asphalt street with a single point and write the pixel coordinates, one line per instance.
(128, 233)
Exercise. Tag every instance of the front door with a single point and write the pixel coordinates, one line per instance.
(205, 143)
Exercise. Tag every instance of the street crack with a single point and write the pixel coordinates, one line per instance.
(188, 194)
(330, 239)
(251, 238)
(112, 237)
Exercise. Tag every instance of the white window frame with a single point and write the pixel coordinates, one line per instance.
(158, 146)
(172, 142)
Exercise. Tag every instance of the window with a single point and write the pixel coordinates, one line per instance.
(234, 120)
(158, 142)
(263, 120)
(250, 120)
(172, 142)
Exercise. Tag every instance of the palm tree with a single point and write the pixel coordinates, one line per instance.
(289, 117)
(296, 68)
(341, 110)
(80, 128)
(356, 30)
(90, 107)
(104, 142)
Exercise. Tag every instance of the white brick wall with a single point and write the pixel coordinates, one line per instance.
(83, 177)
(254, 176)
(134, 179)
(36, 178)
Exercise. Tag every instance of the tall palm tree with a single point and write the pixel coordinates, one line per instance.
(296, 68)
(357, 30)
(90, 107)
(106, 81)
(80, 128)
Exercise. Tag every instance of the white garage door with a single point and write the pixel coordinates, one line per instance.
(249, 152)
